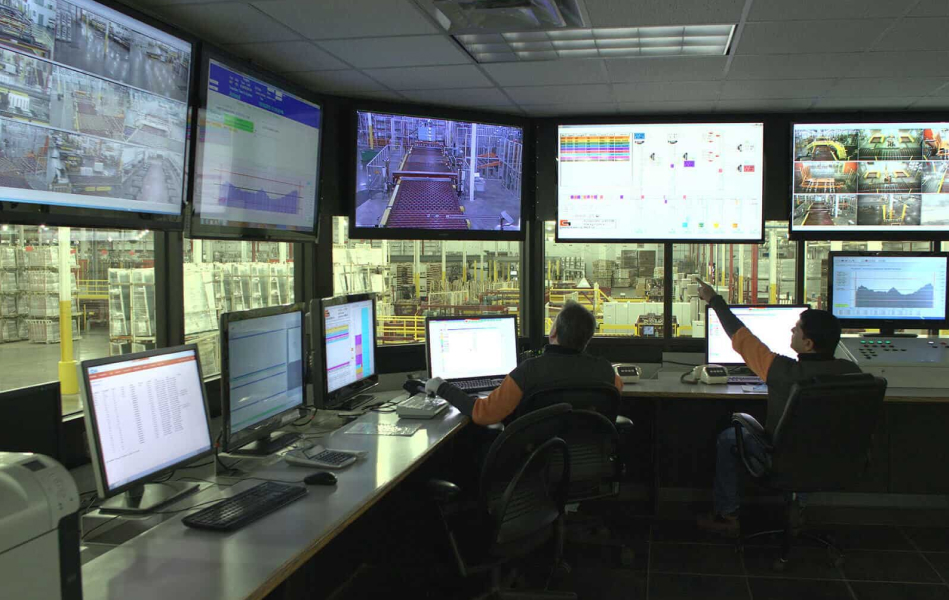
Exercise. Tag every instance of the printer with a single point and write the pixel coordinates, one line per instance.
(39, 529)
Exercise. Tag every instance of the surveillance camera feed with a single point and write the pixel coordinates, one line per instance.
(93, 108)
(435, 174)
(871, 177)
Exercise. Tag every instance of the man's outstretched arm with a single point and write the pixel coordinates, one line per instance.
(757, 356)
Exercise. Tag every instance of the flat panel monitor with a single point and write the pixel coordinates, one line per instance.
(883, 180)
(347, 350)
(423, 177)
(257, 157)
(262, 376)
(661, 182)
(471, 347)
(771, 324)
(94, 111)
(31, 420)
(146, 415)
(888, 290)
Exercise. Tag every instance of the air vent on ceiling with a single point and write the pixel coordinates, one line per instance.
(472, 16)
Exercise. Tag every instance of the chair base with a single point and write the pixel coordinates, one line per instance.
(501, 589)
(834, 553)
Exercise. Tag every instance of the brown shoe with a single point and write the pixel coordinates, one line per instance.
(725, 525)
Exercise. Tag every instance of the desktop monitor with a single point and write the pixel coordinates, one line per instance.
(146, 416)
(31, 420)
(771, 324)
(888, 290)
(665, 182)
(471, 347)
(346, 348)
(94, 115)
(262, 377)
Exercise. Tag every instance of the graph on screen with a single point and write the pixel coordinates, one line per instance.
(888, 287)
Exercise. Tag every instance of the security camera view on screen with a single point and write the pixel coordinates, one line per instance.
(93, 108)
(419, 173)
(871, 177)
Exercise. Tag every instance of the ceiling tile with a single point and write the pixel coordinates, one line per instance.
(287, 56)
(931, 8)
(407, 51)
(643, 13)
(792, 66)
(785, 10)
(565, 110)
(679, 91)
(561, 94)
(899, 102)
(548, 72)
(802, 37)
(227, 22)
(685, 106)
(335, 81)
(915, 34)
(329, 19)
(941, 91)
(460, 97)
(386, 95)
(628, 70)
(934, 102)
(431, 78)
(775, 88)
(763, 105)
(881, 88)
(903, 64)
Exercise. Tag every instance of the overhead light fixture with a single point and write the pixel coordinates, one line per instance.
(609, 42)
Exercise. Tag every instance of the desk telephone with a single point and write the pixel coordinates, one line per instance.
(708, 374)
(628, 373)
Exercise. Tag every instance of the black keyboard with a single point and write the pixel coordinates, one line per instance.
(478, 385)
(745, 379)
(246, 507)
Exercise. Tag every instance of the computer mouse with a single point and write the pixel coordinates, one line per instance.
(320, 478)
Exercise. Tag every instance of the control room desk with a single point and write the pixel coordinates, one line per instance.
(172, 561)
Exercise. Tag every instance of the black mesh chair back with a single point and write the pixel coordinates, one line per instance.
(823, 438)
(516, 492)
(595, 467)
(603, 398)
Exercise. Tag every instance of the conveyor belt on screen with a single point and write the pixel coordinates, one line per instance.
(426, 203)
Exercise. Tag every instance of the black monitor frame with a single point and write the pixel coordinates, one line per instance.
(428, 334)
(325, 398)
(436, 113)
(195, 228)
(261, 430)
(32, 420)
(886, 326)
(708, 309)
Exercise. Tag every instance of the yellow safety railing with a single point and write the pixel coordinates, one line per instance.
(93, 289)
(401, 329)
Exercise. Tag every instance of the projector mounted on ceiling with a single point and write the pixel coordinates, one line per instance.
(474, 16)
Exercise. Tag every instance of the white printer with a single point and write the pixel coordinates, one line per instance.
(39, 529)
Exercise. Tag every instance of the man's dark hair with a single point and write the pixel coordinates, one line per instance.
(822, 328)
(575, 326)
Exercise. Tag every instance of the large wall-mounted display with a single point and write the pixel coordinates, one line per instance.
(851, 179)
(93, 108)
(257, 160)
(424, 177)
(661, 182)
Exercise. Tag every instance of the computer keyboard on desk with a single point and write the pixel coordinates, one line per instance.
(420, 406)
(478, 385)
(744, 379)
(246, 507)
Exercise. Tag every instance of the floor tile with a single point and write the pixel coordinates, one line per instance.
(796, 589)
(685, 531)
(602, 584)
(941, 562)
(694, 558)
(929, 539)
(609, 556)
(889, 566)
(899, 591)
(808, 563)
(691, 587)
(866, 537)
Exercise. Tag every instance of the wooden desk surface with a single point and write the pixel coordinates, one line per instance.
(174, 562)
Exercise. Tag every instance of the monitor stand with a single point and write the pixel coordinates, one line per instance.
(145, 498)
(266, 445)
(888, 333)
(356, 402)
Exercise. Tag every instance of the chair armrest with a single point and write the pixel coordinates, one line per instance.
(623, 424)
(442, 491)
(752, 425)
(745, 422)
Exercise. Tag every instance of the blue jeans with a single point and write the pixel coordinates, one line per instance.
(729, 467)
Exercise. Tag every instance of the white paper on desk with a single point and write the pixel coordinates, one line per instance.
(755, 389)
(383, 429)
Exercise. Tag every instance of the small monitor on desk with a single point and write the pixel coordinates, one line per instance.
(146, 416)
(771, 324)
(262, 386)
(471, 347)
(31, 420)
(345, 348)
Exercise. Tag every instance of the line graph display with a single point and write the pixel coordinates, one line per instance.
(248, 192)
(893, 298)
(889, 287)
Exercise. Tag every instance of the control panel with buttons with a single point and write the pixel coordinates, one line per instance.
(905, 362)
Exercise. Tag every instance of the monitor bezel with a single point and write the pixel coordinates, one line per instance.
(428, 336)
(92, 432)
(233, 441)
(709, 309)
(333, 399)
(26, 397)
(438, 113)
(881, 324)
(662, 240)
(912, 233)
(194, 227)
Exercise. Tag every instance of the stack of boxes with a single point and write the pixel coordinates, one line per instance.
(603, 272)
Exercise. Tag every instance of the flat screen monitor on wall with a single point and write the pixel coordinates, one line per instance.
(93, 115)
(425, 177)
(257, 157)
(877, 180)
(660, 182)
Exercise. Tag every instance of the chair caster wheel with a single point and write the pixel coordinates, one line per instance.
(627, 557)
(563, 568)
(779, 565)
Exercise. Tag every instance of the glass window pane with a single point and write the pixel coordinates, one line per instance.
(230, 276)
(415, 279)
(112, 292)
(741, 273)
(620, 283)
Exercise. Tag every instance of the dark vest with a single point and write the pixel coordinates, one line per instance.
(785, 372)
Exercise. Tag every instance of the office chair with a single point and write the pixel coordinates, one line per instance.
(519, 507)
(821, 443)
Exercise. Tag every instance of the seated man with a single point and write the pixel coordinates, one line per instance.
(563, 361)
(814, 338)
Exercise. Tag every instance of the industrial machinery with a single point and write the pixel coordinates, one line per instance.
(904, 362)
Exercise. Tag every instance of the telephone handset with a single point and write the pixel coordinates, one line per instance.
(708, 374)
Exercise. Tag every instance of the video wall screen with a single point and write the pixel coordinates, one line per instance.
(661, 182)
(887, 178)
(419, 175)
(93, 108)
